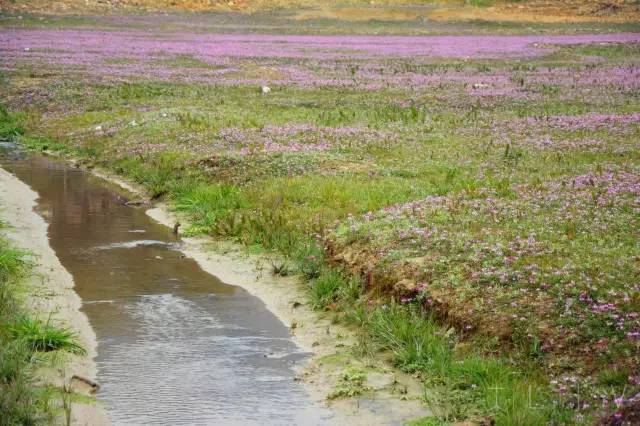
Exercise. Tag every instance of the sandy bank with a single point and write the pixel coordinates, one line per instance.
(51, 291)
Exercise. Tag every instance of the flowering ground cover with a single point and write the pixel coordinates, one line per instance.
(471, 202)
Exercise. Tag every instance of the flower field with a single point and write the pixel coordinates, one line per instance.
(490, 183)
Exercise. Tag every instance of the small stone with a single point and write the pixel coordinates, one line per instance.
(266, 89)
(84, 385)
(98, 128)
(568, 303)
(480, 86)
(27, 49)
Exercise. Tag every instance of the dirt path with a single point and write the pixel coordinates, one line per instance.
(51, 292)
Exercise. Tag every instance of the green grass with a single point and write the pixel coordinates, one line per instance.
(459, 384)
(22, 340)
(209, 206)
(470, 384)
(615, 51)
(480, 3)
(44, 337)
(324, 289)
(10, 125)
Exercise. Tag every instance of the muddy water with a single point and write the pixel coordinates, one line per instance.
(175, 345)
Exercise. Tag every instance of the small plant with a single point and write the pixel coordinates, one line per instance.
(44, 337)
(480, 3)
(12, 262)
(324, 289)
(208, 205)
(351, 384)
(10, 125)
(67, 403)
(280, 268)
(310, 260)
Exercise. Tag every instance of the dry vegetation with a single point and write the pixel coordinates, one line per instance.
(614, 11)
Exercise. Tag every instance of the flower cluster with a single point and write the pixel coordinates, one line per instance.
(298, 138)
(474, 246)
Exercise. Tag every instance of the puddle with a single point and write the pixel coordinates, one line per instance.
(175, 345)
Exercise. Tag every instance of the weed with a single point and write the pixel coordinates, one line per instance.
(45, 337)
(310, 259)
(351, 384)
(210, 207)
(324, 288)
(280, 268)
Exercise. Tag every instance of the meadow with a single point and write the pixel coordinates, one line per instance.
(469, 202)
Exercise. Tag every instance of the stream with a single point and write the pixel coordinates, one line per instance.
(175, 344)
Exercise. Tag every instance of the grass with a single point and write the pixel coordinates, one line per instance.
(459, 383)
(517, 232)
(9, 125)
(324, 289)
(23, 400)
(44, 337)
(209, 206)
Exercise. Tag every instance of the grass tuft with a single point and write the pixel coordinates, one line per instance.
(324, 289)
(44, 337)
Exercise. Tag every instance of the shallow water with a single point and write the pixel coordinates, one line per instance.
(175, 345)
